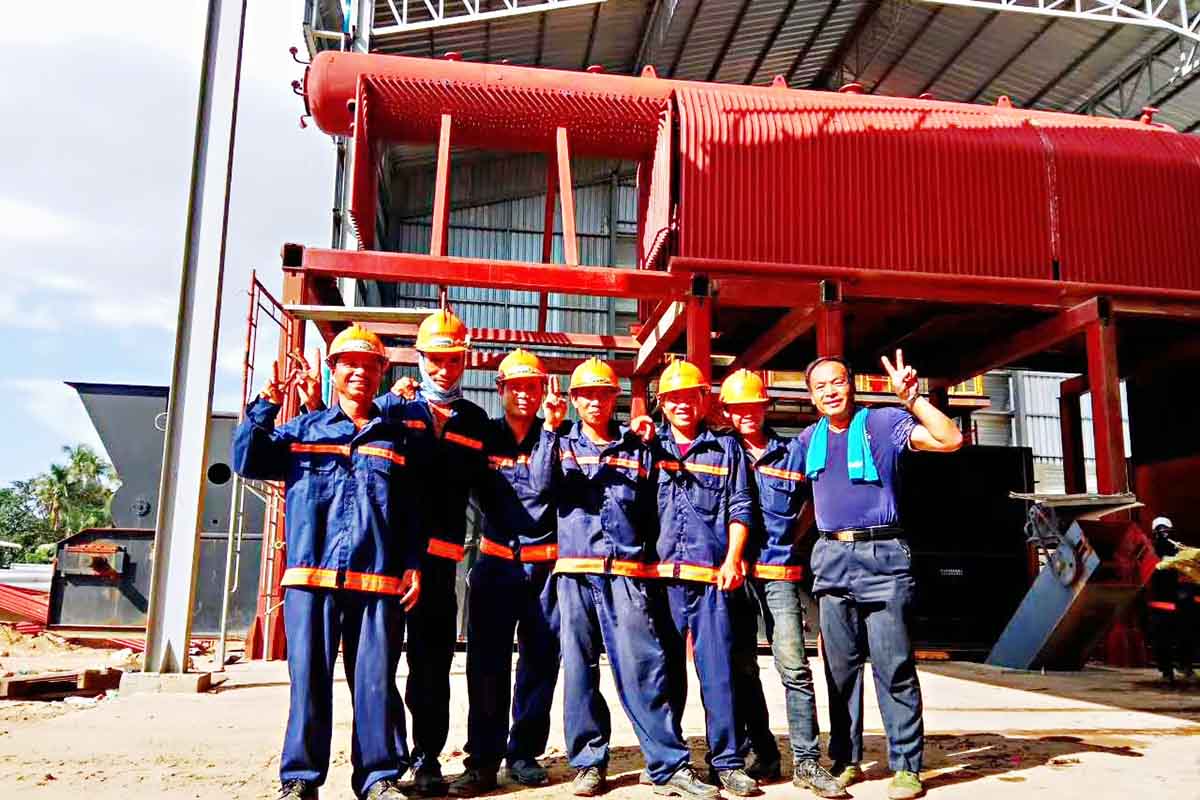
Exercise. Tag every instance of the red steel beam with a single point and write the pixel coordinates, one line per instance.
(486, 273)
(561, 365)
(566, 196)
(1112, 476)
(769, 344)
(1007, 349)
(583, 341)
(665, 331)
(699, 334)
(752, 292)
(1071, 430)
(831, 329)
(548, 236)
(441, 192)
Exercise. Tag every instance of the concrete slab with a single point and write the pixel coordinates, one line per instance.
(186, 683)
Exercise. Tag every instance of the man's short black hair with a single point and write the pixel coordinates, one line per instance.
(819, 360)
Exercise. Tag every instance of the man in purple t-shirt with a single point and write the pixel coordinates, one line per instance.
(861, 564)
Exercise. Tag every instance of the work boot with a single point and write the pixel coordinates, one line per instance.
(589, 782)
(736, 781)
(809, 774)
(474, 781)
(528, 772)
(298, 790)
(905, 785)
(765, 770)
(846, 773)
(428, 780)
(386, 789)
(686, 783)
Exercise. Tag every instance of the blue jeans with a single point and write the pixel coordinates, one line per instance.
(615, 611)
(850, 629)
(508, 597)
(370, 629)
(782, 611)
(432, 630)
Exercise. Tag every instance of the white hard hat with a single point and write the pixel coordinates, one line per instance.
(1161, 522)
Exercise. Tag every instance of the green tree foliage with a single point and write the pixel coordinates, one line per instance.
(65, 499)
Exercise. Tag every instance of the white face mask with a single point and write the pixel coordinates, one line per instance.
(434, 392)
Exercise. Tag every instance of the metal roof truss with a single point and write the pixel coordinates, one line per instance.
(1169, 15)
(429, 14)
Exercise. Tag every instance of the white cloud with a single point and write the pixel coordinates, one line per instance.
(56, 406)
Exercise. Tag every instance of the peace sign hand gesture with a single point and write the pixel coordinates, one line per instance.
(903, 377)
(554, 406)
(276, 386)
(307, 378)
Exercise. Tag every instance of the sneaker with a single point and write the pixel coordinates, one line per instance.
(809, 774)
(846, 774)
(428, 780)
(589, 782)
(736, 781)
(298, 790)
(527, 772)
(905, 785)
(686, 783)
(386, 789)
(765, 770)
(644, 778)
(473, 782)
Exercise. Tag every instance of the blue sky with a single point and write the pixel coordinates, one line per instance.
(95, 151)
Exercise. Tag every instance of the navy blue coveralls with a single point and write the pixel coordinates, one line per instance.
(865, 592)
(454, 460)
(776, 568)
(606, 526)
(699, 495)
(510, 591)
(352, 531)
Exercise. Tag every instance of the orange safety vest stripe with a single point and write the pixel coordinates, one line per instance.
(383, 452)
(444, 549)
(675, 466)
(465, 441)
(598, 566)
(334, 449)
(541, 552)
(786, 474)
(328, 579)
(778, 572)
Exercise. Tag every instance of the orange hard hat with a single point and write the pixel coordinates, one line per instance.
(594, 372)
(744, 386)
(442, 332)
(520, 364)
(355, 340)
(680, 375)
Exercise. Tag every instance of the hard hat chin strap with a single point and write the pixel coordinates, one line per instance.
(435, 393)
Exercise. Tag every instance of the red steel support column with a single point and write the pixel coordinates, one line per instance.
(1071, 430)
(441, 192)
(699, 334)
(831, 330)
(548, 236)
(1104, 381)
(639, 387)
(566, 193)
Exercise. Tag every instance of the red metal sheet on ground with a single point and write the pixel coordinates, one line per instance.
(28, 604)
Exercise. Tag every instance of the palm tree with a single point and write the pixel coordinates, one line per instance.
(53, 491)
(86, 468)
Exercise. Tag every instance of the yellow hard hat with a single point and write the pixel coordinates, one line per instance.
(442, 332)
(680, 375)
(519, 364)
(594, 372)
(744, 386)
(355, 340)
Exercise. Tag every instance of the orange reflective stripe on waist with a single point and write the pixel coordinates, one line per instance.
(501, 462)
(465, 441)
(443, 549)
(688, 572)
(383, 452)
(332, 449)
(541, 552)
(786, 474)
(777, 572)
(417, 424)
(318, 578)
(602, 566)
(1161, 605)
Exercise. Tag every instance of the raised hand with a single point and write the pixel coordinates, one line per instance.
(276, 386)
(903, 377)
(554, 405)
(307, 378)
(410, 587)
(406, 387)
(643, 428)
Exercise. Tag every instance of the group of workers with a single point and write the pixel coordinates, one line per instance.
(596, 537)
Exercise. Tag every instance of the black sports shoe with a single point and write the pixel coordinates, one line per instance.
(589, 782)
(428, 780)
(736, 781)
(809, 774)
(473, 782)
(528, 772)
(298, 790)
(386, 789)
(765, 770)
(686, 783)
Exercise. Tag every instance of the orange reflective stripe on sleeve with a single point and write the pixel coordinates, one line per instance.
(383, 452)
(465, 441)
(1159, 605)
(786, 474)
(443, 549)
(778, 572)
(331, 449)
(706, 469)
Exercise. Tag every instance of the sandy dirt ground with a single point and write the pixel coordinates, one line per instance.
(991, 734)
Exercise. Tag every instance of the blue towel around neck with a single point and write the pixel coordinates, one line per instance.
(860, 464)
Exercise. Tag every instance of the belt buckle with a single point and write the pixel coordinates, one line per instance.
(608, 562)
(846, 536)
(516, 550)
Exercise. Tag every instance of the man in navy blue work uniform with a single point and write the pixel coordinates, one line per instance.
(862, 564)
(606, 526)
(705, 509)
(775, 592)
(510, 591)
(447, 436)
(354, 540)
